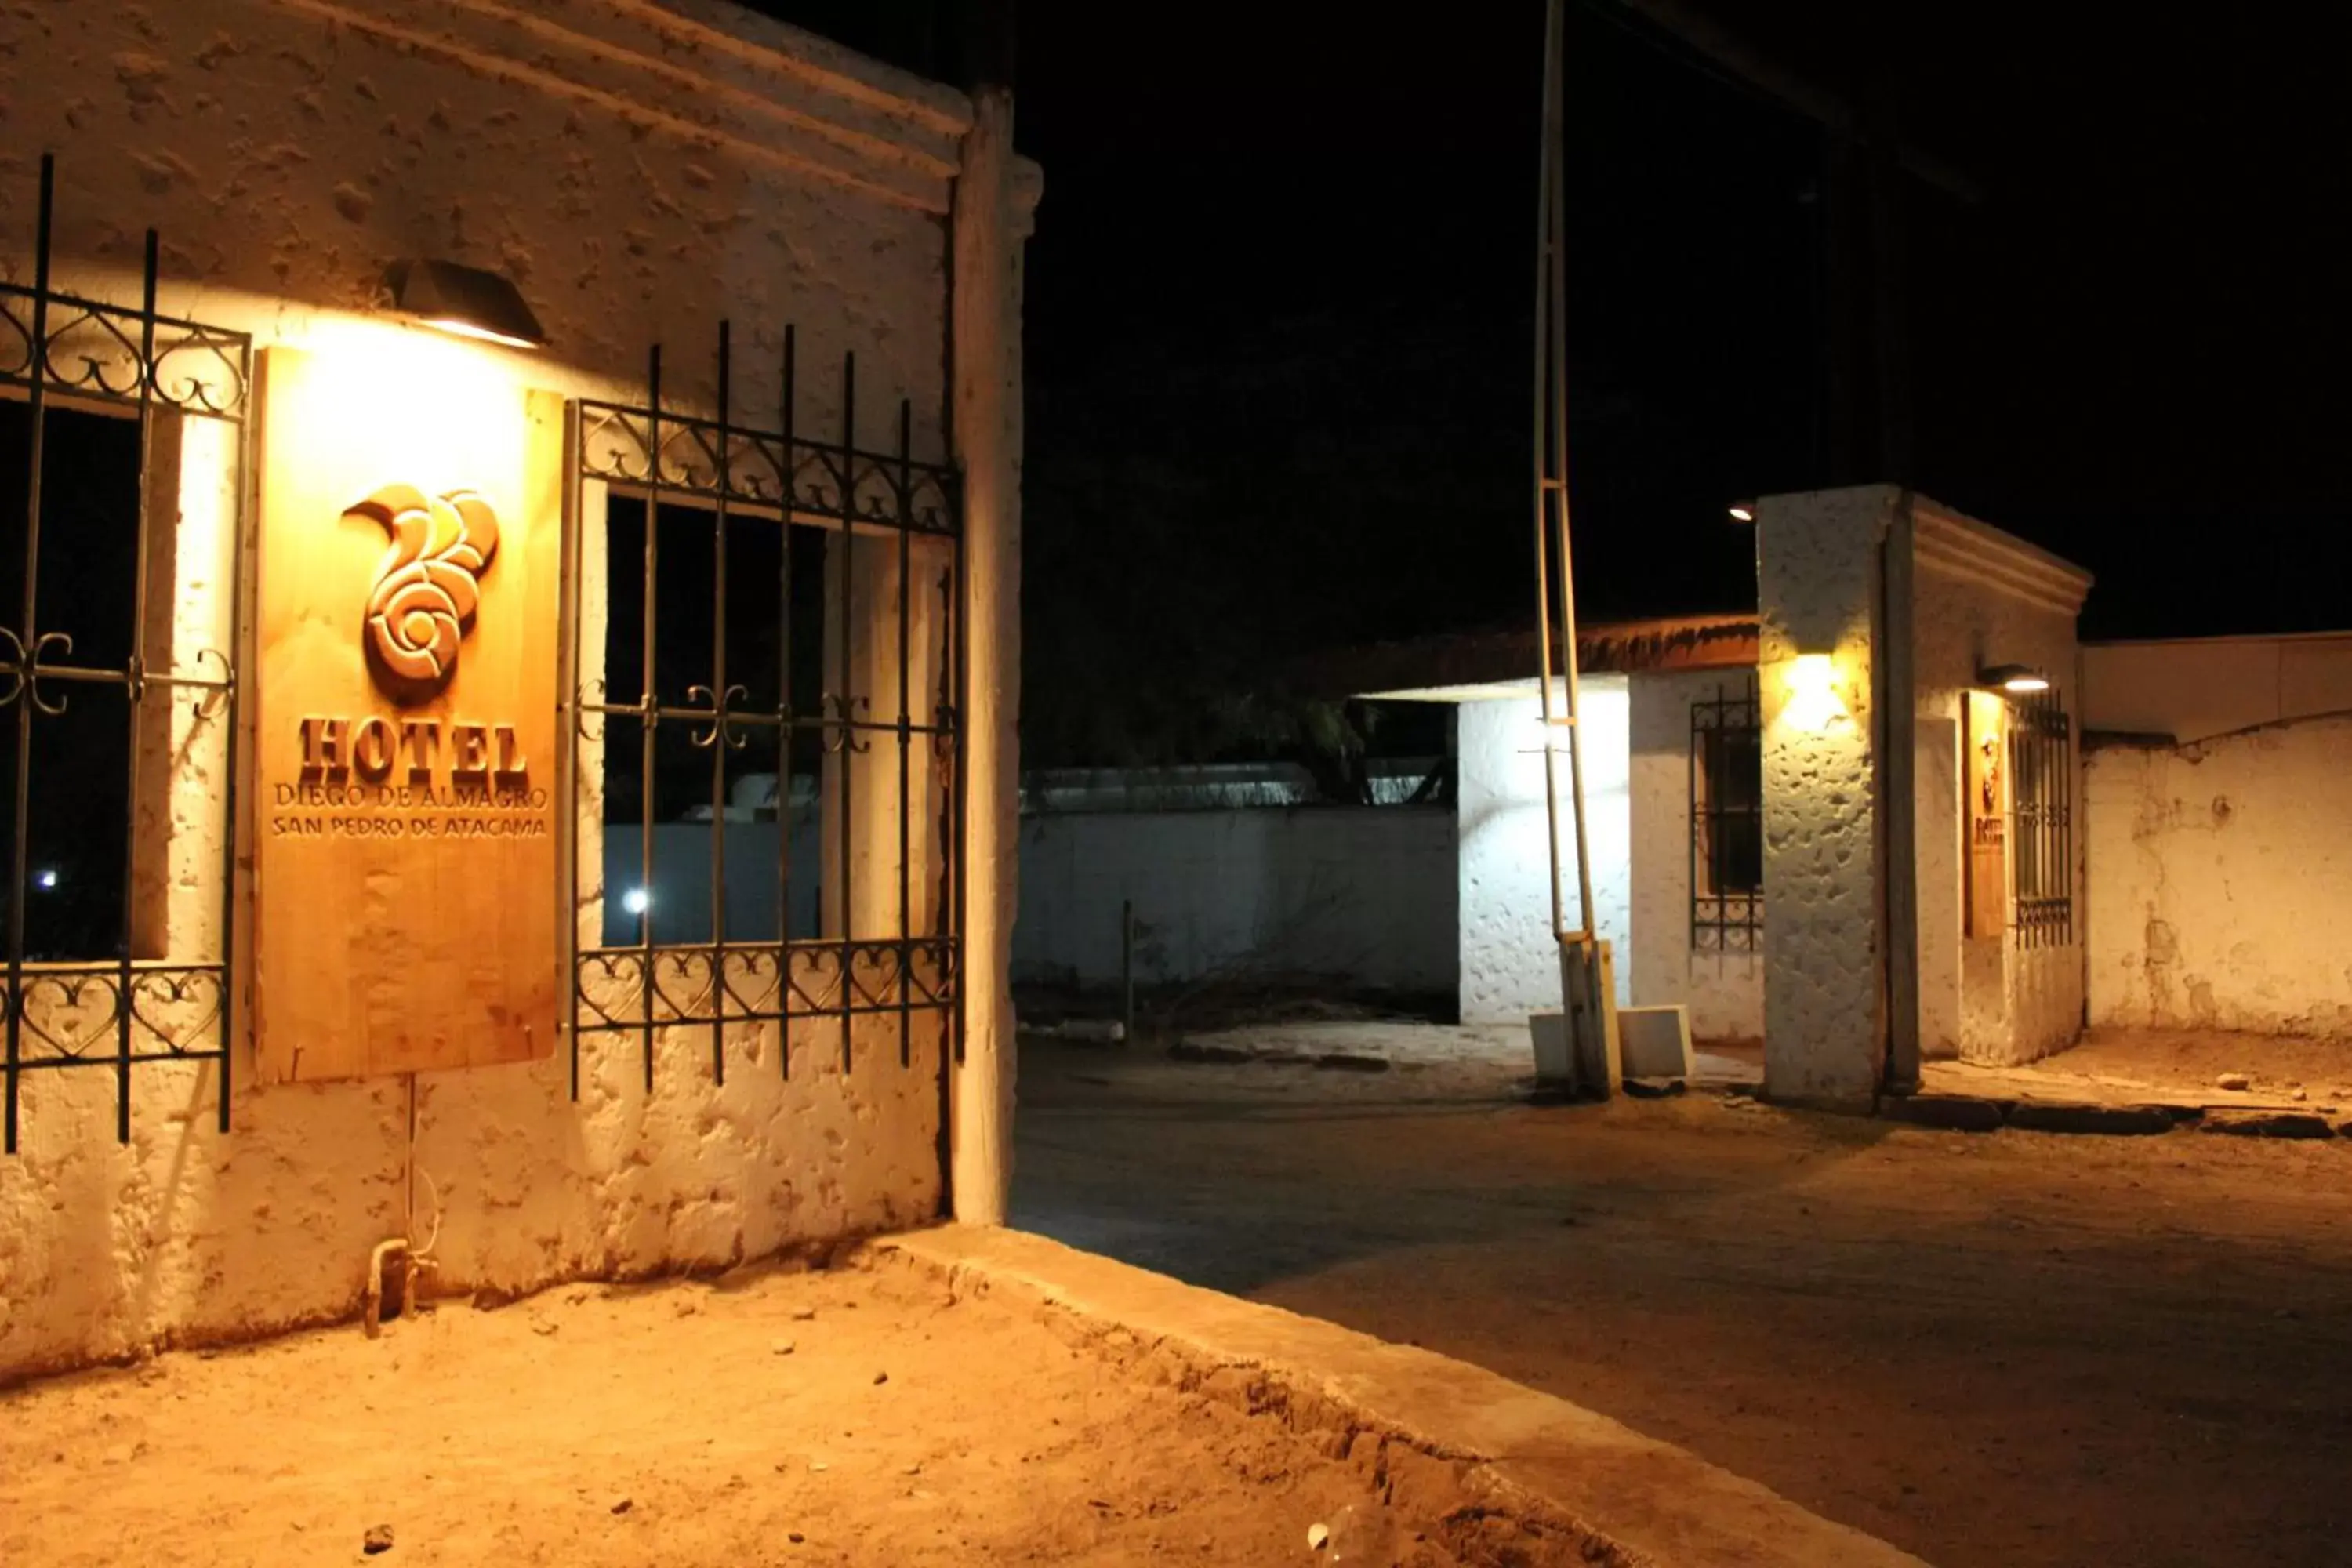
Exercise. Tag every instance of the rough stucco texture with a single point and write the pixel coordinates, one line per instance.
(281, 187)
(1354, 898)
(1510, 966)
(638, 179)
(1815, 565)
(2221, 881)
(1724, 991)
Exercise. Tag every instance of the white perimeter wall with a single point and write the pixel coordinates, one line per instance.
(1360, 896)
(1725, 992)
(1509, 964)
(641, 170)
(2221, 868)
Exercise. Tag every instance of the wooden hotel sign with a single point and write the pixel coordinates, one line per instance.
(411, 527)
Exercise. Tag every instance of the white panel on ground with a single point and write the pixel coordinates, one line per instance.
(1655, 1041)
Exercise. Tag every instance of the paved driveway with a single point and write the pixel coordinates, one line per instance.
(2002, 1349)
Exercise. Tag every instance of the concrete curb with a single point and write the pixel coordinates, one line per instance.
(1650, 1502)
(1987, 1113)
(2107, 1120)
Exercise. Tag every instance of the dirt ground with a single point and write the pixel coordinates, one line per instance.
(1990, 1349)
(859, 1415)
(2173, 1066)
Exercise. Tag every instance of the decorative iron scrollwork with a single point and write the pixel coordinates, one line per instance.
(672, 461)
(79, 1010)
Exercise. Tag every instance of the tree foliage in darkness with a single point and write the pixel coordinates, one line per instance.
(1199, 521)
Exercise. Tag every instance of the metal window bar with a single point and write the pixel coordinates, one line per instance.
(745, 477)
(2041, 820)
(140, 364)
(1727, 812)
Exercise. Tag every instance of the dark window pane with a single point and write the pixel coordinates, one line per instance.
(75, 764)
(77, 823)
(774, 639)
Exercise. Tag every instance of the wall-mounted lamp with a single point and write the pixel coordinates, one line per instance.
(2019, 678)
(466, 301)
(1742, 510)
(1814, 701)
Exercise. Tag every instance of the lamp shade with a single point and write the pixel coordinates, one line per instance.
(2020, 677)
(466, 301)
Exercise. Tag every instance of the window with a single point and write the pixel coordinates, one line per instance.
(765, 664)
(2041, 820)
(73, 750)
(121, 443)
(1726, 813)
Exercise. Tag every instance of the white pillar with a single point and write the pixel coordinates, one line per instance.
(1825, 888)
(985, 330)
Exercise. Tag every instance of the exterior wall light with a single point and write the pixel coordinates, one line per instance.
(466, 301)
(1742, 510)
(1814, 701)
(2013, 678)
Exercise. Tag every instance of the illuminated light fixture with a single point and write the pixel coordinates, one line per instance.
(1814, 702)
(1742, 510)
(636, 901)
(46, 878)
(2013, 678)
(465, 300)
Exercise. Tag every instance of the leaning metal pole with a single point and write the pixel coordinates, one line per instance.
(1553, 560)
(1587, 1009)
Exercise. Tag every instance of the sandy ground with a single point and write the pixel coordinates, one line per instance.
(2182, 1067)
(2005, 1349)
(671, 1426)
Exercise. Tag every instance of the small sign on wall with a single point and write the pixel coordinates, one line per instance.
(410, 543)
(1985, 813)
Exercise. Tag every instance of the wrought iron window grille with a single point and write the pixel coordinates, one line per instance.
(734, 477)
(2042, 819)
(62, 354)
(1726, 817)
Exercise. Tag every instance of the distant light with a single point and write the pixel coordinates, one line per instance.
(46, 878)
(636, 901)
(1742, 511)
(2020, 678)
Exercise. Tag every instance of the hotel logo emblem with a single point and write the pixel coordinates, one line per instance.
(427, 586)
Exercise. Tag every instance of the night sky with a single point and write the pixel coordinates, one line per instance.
(1278, 306)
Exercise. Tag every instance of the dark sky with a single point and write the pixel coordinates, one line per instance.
(1278, 305)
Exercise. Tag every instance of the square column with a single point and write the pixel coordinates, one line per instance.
(1818, 594)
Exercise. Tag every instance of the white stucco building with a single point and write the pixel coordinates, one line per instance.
(1843, 827)
(521, 1095)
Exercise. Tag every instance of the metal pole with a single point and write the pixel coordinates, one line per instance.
(1558, 322)
(1127, 966)
(1553, 556)
(1547, 175)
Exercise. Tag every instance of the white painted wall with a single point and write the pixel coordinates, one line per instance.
(1509, 964)
(1724, 991)
(2221, 877)
(1981, 599)
(1363, 897)
(2195, 687)
(641, 170)
(1816, 564)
